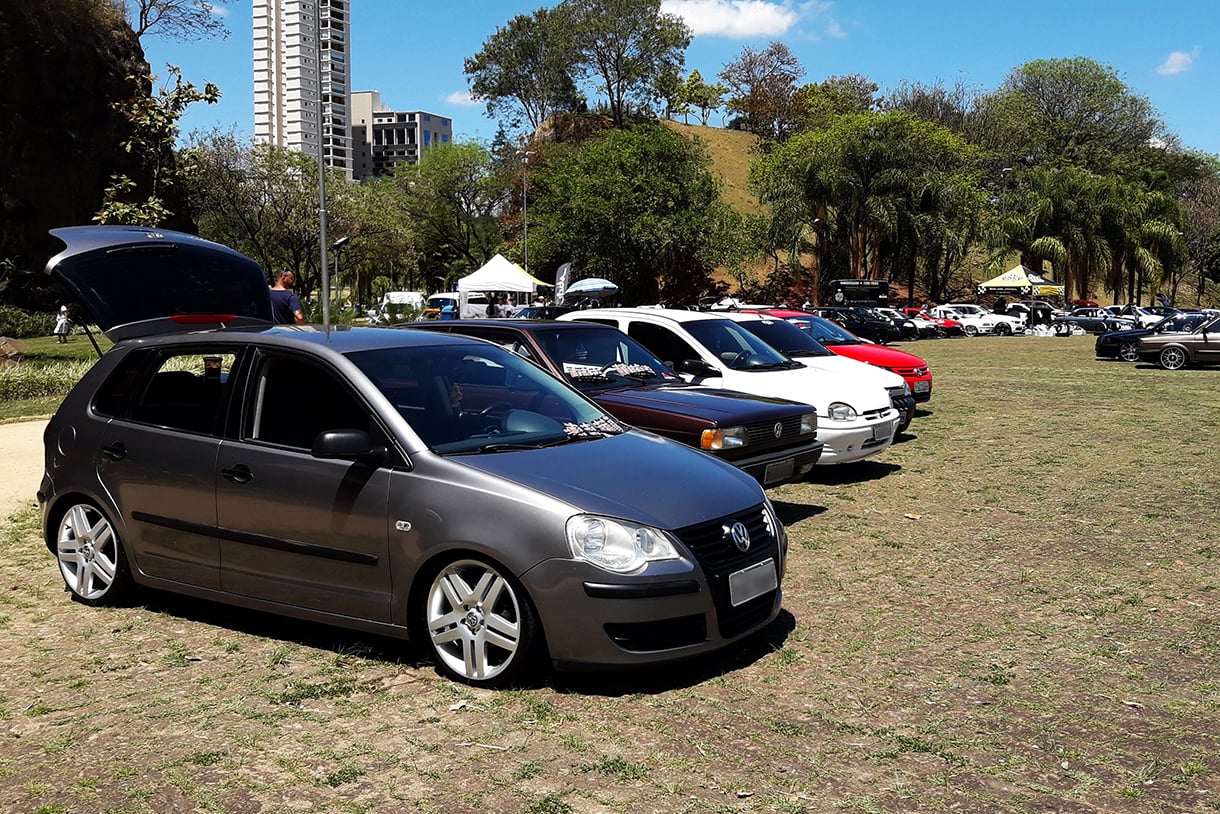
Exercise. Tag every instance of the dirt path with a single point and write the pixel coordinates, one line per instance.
(21, 464)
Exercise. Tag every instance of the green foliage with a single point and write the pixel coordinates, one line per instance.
(638, 206)
(527, 68)
(27, 381)
(154, 128)
(19, 324)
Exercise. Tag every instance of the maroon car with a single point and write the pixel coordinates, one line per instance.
(774, 440)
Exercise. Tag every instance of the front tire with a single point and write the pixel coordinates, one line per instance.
(1001, 329)
(480, 624)
(1172, 358)
(91, 557)
(1129, 351)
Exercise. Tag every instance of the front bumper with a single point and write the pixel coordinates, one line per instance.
(775, 467)
(858, 440)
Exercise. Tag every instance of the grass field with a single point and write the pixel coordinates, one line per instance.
(1012, 610)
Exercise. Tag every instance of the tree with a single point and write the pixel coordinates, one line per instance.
(455, 197)
(603, 206)
(527, 68)
(181, 20)
(154, 130)
(703, 97)
(628, 46)
(763, 87)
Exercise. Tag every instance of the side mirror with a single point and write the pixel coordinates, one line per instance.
(697, 367)
(353, 445)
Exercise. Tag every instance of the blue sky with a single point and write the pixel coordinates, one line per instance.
(412, 51)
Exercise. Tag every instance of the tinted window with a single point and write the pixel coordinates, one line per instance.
(182, 391)
(733, 345)
(663, 342)
(294, 400)
(785, 337)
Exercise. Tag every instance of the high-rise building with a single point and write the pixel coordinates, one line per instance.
(382, 138)
(301, 58)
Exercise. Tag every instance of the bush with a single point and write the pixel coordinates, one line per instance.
(34, 381)
(20, 324)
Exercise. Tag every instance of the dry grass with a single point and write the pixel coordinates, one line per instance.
(1014, 610)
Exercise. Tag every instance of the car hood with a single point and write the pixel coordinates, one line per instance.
(632, 476)
(1125, 336)
(861, 372)
(879, 355)
(136, 281)
(724, 407)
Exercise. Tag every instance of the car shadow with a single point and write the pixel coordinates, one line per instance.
(857, 472)
(415, 656)
(792, 513)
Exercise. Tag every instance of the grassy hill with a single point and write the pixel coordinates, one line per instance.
(731, 151)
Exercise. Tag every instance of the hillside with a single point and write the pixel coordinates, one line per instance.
(731, 151)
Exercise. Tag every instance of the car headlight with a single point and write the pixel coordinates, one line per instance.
(618, 545)
(809, 423)
(724, 438)
(838, 411)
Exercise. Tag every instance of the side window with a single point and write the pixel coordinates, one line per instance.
(294, 400)
(667, 345)
(185, 391)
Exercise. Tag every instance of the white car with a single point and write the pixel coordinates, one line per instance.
(977, 320)
(856, 419)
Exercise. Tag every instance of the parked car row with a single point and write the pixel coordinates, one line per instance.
(1176, 341)
(508, 493)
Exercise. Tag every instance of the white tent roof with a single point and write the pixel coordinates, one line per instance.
(499, 274)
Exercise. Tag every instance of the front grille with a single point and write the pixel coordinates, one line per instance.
(877, 415)
(716, 554)
(763, 432)
(910, 372)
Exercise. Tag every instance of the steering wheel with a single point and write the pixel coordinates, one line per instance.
(741, 358)
(495, 405)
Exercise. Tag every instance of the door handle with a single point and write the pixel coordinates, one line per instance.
(116, 451)
(238, 474)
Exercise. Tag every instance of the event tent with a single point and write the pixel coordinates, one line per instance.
(1021, 281)
(499, 274)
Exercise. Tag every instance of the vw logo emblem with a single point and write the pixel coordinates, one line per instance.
(779, 429)
(740, 535)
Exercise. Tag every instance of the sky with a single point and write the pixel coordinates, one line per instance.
(413, 51)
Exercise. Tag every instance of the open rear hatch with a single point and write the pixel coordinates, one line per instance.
(136, 281)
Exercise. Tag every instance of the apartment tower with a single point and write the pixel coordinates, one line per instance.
(300, 59)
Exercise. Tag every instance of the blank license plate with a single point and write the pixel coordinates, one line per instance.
(922, 387)
(882, 430)
(780, 470)
(750, 583)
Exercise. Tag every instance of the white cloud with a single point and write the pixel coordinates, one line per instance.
(1178, 61)
(835, 31)
(737, 19)
(461, 97)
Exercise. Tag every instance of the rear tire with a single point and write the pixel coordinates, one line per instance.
(91, 557)
(1002, 329)
(970, 330)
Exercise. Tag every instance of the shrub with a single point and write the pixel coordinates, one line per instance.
(20, 324)
(34, 381)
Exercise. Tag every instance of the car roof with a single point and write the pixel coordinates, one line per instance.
(668, 314)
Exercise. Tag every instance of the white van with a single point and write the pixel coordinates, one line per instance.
(467, 304)
(856, 419)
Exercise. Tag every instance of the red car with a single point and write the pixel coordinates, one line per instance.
(844, 343)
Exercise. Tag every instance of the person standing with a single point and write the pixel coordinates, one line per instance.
(62, 325)
(285, 307)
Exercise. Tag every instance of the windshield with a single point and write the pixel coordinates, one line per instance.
(480, 398)
(824, 331)
(785, 337)
(734, 346)
(598, 357)
(969, 310)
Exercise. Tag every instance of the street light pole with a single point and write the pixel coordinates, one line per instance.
(322, 264)
(525, 207)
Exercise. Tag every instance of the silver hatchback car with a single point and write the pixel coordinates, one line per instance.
(405, 483)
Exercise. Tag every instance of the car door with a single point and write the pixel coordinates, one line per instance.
(296, 529)
(1207, 347)
(157, 456)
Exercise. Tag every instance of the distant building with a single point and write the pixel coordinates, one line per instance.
(289, 78)
(382, 138)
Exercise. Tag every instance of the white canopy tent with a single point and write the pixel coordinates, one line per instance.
(499, 274)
